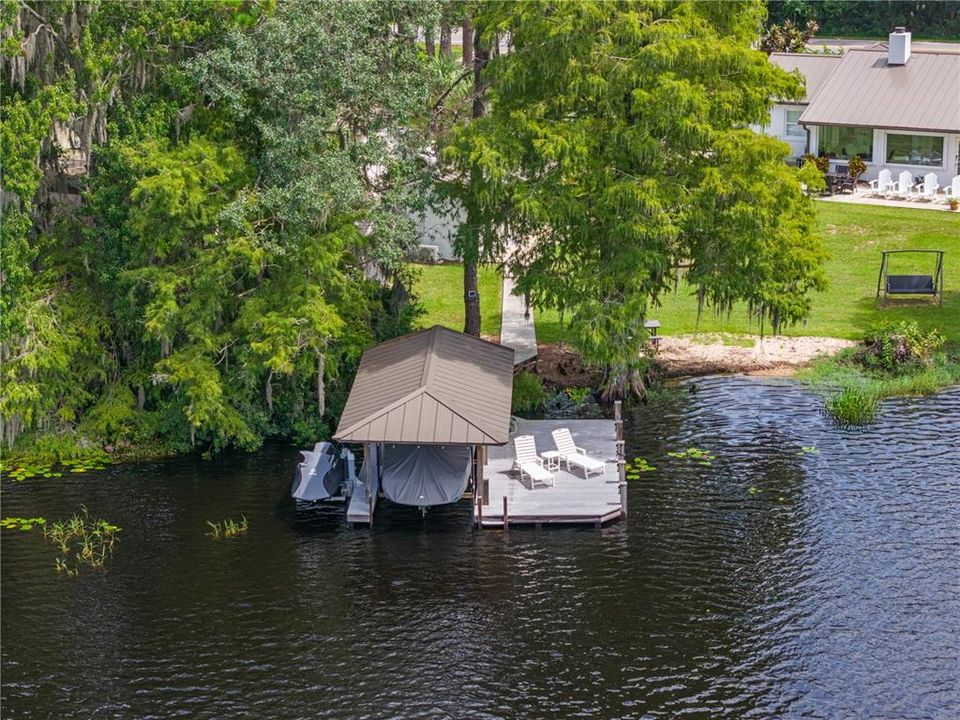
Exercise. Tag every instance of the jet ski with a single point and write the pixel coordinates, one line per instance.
(323, 473)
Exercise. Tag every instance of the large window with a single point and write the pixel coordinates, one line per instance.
(922, 150)
(844, 143)
(794, 128)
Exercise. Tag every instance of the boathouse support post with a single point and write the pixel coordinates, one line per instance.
(621, 456)
(505, 512)
(368, 479)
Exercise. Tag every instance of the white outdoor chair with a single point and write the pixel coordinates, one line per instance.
(881, 185)
(928, 191)
(529, 463)
(904, 185)
(953, 189)
(573, 455)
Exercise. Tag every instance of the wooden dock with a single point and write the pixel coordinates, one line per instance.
(574, 499)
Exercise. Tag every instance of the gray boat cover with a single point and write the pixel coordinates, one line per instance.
(424, 475)
(316, 477)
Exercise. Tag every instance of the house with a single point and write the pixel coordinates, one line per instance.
(894, 106)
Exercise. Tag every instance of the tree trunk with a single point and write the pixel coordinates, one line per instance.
(430, 40)
(471, 296)
(321, 388)
(446, 50)
(467, 43)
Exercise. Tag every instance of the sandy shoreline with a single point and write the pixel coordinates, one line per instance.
(683, 356)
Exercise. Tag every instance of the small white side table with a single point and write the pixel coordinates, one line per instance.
(551, 459)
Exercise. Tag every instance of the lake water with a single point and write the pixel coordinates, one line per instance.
(772, 583)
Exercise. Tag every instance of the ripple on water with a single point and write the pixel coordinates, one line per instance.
(773, 583)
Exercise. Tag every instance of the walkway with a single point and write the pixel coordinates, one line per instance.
(516, 331)
(864, 198)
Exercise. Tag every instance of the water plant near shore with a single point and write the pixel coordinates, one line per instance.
(897, 359)
(24, 524)
(636, 466)
(79, 540)
(25, 469)
(228, 528)
(700, 457)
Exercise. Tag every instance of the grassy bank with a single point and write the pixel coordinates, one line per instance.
(896, 359)
(440, 289)
(853, 395)
(854, 236)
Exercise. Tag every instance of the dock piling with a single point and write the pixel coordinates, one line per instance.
(621, 456)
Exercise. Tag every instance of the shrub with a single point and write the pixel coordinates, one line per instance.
(894, 345)
(528, 393)
(821, 162)
(856, 167)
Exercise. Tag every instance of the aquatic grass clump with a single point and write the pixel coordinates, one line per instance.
(81, 540)
(227, 528)
(854, 405)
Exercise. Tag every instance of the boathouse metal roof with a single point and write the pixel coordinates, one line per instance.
(866, 91)
(436, 386)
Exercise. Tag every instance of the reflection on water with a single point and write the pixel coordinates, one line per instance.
(773, 583)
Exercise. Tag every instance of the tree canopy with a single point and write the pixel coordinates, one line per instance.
(616, 149)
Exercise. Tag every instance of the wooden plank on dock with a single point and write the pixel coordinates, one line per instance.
(574, 499)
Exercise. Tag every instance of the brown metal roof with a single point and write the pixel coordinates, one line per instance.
(814, 68)
(864, 91)
(433, 386)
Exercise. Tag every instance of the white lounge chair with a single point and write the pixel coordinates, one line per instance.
(953, 189)
(571, 454)
(928, 191)
(528, 462)
(881, 186)
(904, 185)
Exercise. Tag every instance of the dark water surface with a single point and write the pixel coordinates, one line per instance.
(830, 590)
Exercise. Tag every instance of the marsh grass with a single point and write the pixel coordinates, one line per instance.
(854, 393)
(227, 528)
(78, 541)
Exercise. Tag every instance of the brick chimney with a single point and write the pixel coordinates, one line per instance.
(899, 45)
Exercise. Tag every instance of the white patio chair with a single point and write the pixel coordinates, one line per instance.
(573, 455)
(903, 186)
(953, 189)
(928, 191)
(882, 184)
(528, 462)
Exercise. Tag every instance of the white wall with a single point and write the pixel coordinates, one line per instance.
(777, 127)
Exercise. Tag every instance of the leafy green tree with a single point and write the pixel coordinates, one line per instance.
(616, 148)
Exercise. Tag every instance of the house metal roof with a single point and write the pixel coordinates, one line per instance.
(816, 69)
(435, 386)
(865, 91)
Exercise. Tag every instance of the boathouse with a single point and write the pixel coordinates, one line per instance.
(423, 406)
(432, 412)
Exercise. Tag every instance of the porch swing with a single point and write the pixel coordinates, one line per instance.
(911, 284)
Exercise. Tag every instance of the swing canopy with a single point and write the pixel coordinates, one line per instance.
(893, 284)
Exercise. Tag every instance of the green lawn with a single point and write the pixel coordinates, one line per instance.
(854, 236)
(440, 289)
